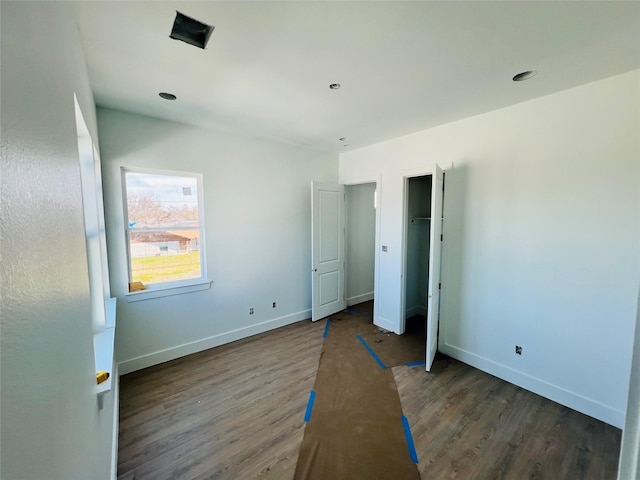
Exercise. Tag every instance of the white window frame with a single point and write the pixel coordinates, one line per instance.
(94, 225)
(103, 307)
(163, 289)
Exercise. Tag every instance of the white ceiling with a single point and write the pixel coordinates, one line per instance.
(403, 66)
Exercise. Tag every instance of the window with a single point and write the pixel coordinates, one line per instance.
(163, 212)
(103, 307)
(90, 180)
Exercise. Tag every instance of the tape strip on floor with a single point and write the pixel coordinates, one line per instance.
(373, 354)
(409, 437)
(326, 328)
(312, 398)
(415, 364)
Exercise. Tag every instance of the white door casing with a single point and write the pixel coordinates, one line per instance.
(327, 249)
(435, 249)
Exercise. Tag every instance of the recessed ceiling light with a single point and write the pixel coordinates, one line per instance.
(167, 96)
(334, 86)
(522, 76)
(343, 139)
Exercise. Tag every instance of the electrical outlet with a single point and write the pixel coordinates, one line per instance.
(518, 350)
(251, 311)
(384, 248)
(274, 305)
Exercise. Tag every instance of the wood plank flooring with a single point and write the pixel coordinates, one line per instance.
(467, 424)
(232, 412)
(236, 412)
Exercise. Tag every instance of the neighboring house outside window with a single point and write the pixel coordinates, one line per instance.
(163, 211)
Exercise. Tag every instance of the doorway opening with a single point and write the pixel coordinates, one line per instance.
(417, 238)
(360, 228)
(422, 244)
(344, 243)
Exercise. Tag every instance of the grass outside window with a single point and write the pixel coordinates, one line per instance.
(166, 268)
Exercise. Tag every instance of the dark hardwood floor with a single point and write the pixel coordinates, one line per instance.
(236, 412)
(232, 412)
(467, 424)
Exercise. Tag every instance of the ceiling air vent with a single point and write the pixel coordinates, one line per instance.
(191, 31)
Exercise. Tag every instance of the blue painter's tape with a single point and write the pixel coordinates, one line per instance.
(312, 398)
(409, 437)
(415, 364)
(326, 328)
(373, 354)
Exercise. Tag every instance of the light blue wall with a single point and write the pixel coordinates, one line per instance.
(257, 201)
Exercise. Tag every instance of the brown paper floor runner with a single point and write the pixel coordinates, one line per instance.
(355, 428)
(395, 350)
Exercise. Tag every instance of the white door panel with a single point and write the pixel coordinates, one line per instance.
(329, 285)
(327, 249)
(433, 302)
(329, 210)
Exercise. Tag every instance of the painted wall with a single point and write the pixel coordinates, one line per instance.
(257, 202)
(51, 425)
(541, 238)
(360, 226)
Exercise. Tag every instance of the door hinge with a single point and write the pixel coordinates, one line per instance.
(439, 286)
(441, 237)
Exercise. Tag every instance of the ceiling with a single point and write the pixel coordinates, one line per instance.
(402, 66)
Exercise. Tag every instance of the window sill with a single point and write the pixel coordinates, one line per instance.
(103, 346)
(168, 291)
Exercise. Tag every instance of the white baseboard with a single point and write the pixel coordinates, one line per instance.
(155, 358)
(552, 392)
(359, 299)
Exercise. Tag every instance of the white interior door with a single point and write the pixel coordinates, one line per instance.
(327, 249)
(435, 248)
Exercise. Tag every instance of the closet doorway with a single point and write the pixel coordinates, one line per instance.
(422, 246)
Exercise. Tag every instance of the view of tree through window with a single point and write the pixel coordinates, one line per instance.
(163, 227)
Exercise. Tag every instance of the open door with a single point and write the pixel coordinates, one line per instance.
(433, 302)
(327, 249)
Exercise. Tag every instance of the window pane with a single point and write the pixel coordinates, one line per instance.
(163, 227)
(164, 256)
(158, 201)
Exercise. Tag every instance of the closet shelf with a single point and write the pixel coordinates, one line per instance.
(420, 218)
